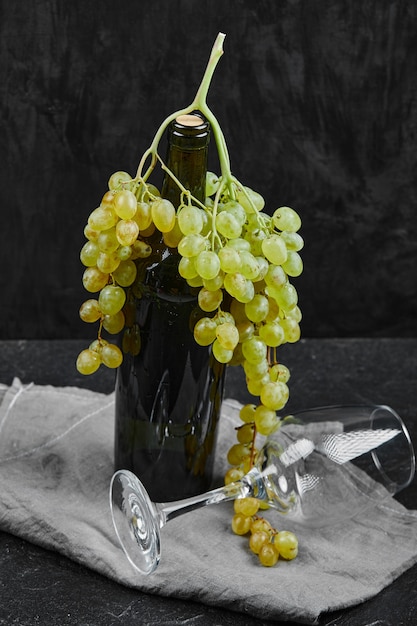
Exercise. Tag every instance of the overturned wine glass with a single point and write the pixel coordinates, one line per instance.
(322, 466)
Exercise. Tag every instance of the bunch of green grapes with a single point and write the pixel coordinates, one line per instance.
(266, 542)
(109, 254)
(242, 260)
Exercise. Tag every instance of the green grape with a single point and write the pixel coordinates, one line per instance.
(287, 219)
(291, 329)
(209, 300)
(286, 296)
(254, 350)
(127, 232)
(212, 284)
(273, 334)
(279, 372)
(227, 225)
(186, 267)
(239, 244)
(251, 200)
(88, 362)
(255, 238)
(257, 540)
(125, 253)
(257, 309)
(205, 331)
(256, 371)
(107, 240)
(220, 353)
(293, 241)
(234, 208)
(125, 204)
(261, 525)
(248, 265)
(266, 420)
(263, 266)
(195, 282)
(274, 249)
(245, 433)
(247, 506)
(248, 294)
(111, 299)
(295, 314)
(125, 274)
(235, 285)
(212, 183)
(190, 220)
(275, 276)
(143, 215)
(273, 312)
(90, 233)
(286, 544)
(89, 253)
(268, 556)
(293, 266)
(247, 413)
(94, 280)
(207, 264)
(241, 524)
(117, 179)
(97, 345)
(139, 250)
(191, 245)
(108, 262)
(229, 259)
(237, 452)
(232, 475)
(163, 214)
(237, 310)
(90, 311)
(111, 355)
(173, 236)
(107, 199)
(102, 218)
(274, 395)
(255, 385)
(245, 329)
(227, 335)
(114, 323)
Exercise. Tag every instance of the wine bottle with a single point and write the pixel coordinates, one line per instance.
(168, 395)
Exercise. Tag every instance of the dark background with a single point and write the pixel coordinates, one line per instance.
(318, 102)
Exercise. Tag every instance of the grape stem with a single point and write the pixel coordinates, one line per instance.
(199, 103)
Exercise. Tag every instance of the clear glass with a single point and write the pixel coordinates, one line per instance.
(322, 466)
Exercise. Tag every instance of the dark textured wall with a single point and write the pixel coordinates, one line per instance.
(318, 102)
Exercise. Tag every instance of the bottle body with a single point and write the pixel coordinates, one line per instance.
(168, 395)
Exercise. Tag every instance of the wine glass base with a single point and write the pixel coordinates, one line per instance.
(135, 521)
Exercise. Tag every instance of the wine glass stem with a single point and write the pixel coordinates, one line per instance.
(168, 510)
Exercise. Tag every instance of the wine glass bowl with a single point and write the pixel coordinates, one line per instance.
(321, 467)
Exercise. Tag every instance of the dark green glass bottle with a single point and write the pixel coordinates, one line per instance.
(168, 396)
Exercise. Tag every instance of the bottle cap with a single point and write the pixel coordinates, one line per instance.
(190, 131)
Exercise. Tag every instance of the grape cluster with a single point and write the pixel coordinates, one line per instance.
(241, 261)
(113, 244)
(266, 542)
(239, 258)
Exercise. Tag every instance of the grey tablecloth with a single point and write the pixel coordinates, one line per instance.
(56, 458)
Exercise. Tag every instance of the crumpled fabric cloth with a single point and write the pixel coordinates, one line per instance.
(56, 462)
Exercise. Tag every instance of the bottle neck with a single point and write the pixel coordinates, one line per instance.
(188, 140)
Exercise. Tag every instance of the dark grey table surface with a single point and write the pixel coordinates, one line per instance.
(42, 587)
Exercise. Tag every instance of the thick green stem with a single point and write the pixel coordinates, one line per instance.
(199, 103)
